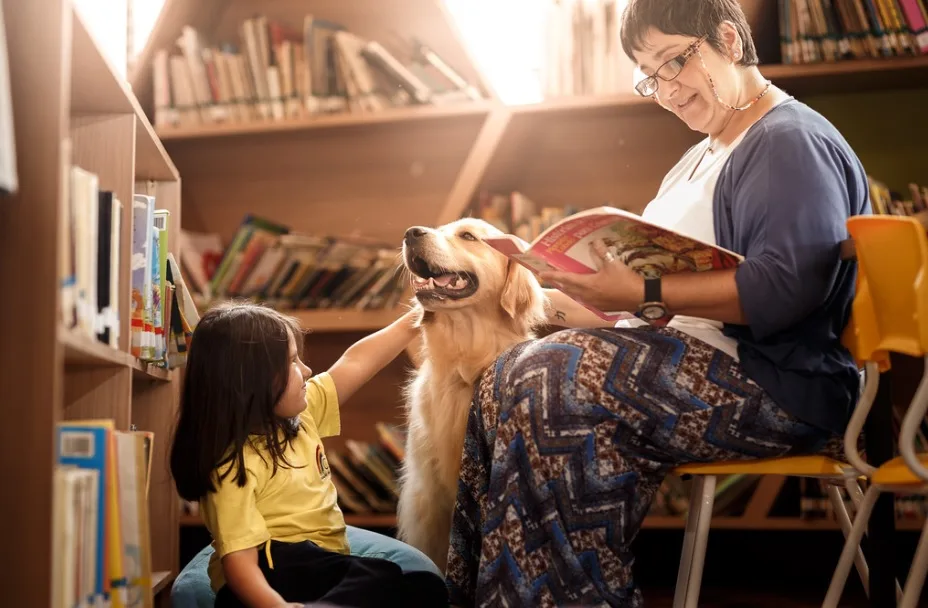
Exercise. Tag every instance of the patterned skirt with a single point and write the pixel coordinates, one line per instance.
(568, 439)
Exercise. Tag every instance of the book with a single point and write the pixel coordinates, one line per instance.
(647, 248)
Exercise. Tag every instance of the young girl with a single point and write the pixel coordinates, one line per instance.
(248, 447)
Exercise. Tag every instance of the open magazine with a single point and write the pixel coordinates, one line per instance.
(647, 248)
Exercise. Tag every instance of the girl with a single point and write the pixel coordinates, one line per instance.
(248, 447)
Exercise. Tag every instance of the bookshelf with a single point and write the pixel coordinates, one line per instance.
(71, 109)
(376, 174)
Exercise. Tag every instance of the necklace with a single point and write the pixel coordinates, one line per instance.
(742, 108)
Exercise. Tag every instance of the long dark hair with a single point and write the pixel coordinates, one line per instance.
(236, 372)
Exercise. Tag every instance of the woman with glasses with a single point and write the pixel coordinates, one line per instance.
(570, 436)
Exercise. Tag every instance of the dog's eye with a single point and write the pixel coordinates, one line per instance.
(467, 236)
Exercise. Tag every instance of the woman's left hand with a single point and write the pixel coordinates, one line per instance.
(615, 287)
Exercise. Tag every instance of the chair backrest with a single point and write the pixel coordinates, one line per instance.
(891, 308)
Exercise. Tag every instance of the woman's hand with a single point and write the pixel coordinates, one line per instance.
(615, 287)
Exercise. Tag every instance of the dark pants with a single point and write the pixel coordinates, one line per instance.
(303, 572)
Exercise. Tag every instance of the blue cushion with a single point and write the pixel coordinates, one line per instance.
(191, 588)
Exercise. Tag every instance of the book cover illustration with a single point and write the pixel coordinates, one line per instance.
(647, 248)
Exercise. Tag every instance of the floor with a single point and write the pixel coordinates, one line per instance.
(728, 598)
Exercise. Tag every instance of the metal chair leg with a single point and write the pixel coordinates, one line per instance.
(916, 578)
(695, 539)
(851, 547)
(844, 519)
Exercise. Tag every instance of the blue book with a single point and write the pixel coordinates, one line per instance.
(84, 444)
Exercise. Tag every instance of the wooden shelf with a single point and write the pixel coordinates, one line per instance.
(393, 116)
(97, 90)
(81, 351)
(850, 76)
(324, 321)
(146, 371)
(161, 581)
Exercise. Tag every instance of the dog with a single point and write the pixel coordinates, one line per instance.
(474, 304)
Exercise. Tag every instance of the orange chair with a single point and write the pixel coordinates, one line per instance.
(689, 576)
(892, 253)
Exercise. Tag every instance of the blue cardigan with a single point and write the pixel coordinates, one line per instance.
(783, 200)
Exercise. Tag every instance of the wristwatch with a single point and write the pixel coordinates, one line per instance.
(652, 309)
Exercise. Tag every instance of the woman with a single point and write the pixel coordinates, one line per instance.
(570, 436)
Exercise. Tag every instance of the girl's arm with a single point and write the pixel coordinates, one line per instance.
(246, 580)
(371, 354)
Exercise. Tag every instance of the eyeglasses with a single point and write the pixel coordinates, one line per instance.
(668, 70)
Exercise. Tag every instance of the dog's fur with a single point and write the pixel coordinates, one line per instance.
(461, 334)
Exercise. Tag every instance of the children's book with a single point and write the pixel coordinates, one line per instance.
(647, 248)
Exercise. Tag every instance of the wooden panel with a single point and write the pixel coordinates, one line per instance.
(105, 146)
(375, 181)
(95, 86)
(154, 408)
(763, 17)
(98, 393)
(378, 400)
(587, 157)
(38, 37)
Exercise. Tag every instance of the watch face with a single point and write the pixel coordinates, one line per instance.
(652, 311)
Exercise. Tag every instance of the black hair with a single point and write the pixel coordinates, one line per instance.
(696, 18)
(236, 372)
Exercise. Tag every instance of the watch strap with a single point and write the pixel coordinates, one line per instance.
(652, 289)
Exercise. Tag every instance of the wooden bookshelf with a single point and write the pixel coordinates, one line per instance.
(72, 108)
(378, 174)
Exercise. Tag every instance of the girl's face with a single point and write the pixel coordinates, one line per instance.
(293, 400)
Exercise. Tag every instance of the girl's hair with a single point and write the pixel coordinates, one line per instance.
(696, 18)
(236, 372)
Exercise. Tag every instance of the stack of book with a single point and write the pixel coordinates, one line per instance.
(100, 522)
(813, 31)
(276, 71)
(162, 313)
(366, 474)
(889, 202)
(516, 214)
(265, 262)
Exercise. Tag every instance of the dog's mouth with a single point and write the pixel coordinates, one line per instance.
(435, 283)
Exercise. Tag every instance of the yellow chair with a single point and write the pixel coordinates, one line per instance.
(892, 252)
(689, 575)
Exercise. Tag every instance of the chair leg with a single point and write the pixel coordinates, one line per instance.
(851, 547)
(695, 539)
(844, 519)
(855, 492)
(916, 578)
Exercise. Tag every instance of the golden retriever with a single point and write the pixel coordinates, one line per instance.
(476, 304)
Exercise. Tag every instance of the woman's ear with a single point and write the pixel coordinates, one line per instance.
(731, 43)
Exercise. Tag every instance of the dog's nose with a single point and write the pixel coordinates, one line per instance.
(414, 233)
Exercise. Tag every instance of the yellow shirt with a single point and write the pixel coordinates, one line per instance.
(294, 504)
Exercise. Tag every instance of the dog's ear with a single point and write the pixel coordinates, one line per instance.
(522, 297)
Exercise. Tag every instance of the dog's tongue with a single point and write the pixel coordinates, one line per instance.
(444, 279)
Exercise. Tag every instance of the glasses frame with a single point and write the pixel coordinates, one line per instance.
(651, 81)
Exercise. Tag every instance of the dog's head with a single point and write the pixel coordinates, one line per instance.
(452, 268)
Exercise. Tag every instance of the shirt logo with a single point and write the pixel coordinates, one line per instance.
(322, 463)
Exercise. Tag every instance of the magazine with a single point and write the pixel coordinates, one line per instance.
(647, 248)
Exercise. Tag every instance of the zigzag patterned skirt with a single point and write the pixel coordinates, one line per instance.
(568, 439)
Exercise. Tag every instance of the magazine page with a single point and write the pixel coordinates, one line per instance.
(647, 248)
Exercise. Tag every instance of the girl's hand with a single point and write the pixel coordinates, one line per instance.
(615, 287)
(291, 605)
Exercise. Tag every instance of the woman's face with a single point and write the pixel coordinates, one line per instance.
(690, 95)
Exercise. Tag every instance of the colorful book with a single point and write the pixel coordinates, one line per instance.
(647, 248)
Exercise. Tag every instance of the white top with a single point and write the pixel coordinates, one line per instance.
(685, 205)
